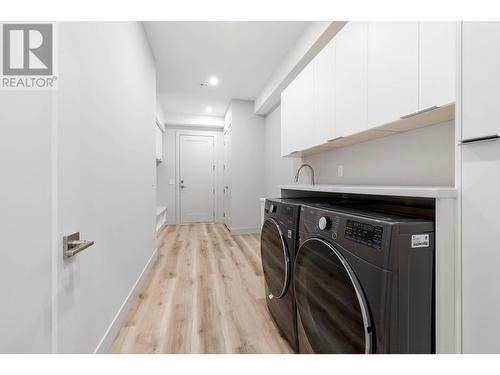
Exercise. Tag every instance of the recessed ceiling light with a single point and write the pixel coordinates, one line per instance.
(214, 81)
(208, 109)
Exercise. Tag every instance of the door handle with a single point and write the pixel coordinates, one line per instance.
(72, 245)
(182, 186)
(419, 112)
(486, 138)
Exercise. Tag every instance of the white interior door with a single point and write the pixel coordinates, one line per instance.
(196, 178)
(105, 181)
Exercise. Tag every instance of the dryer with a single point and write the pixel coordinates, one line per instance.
(278, 246)
(364, 282)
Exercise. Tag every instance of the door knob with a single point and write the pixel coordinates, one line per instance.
(182, 186)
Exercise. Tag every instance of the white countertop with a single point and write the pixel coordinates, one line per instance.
(401, 191)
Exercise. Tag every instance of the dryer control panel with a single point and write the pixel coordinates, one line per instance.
(366, 234)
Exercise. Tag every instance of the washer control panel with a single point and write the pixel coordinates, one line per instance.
(366, 234)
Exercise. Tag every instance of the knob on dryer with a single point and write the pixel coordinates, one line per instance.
(324, 223)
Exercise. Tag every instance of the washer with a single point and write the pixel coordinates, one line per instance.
(364, 282)
(279, 242)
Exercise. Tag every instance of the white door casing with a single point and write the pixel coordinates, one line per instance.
(196, 177)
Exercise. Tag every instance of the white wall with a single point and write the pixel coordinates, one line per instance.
(166, 171)
(247, 167)
(278, 170)
(420, 157)
(184, 120)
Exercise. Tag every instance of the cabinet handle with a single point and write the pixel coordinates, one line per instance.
(486, 138)
(334, 139)
(419, 112)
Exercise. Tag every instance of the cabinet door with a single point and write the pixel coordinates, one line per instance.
(392, 71)
(437, 57)
(286, 126)
(297, 113)
(480, 79)
(480, 247)
(303, 111)
(324, 94)
(351, 79)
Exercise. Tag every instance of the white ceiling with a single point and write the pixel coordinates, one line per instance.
(243, 55)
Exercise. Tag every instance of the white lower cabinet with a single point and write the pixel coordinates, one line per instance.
(480, 247)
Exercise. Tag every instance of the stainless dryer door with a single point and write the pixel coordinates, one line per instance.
(275, 259)
(333, 314)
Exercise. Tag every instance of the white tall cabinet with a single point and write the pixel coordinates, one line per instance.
(480, 187)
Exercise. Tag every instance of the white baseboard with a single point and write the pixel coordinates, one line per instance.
(245, 230)
(109, 336)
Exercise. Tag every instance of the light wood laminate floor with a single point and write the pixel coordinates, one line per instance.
(205, 294)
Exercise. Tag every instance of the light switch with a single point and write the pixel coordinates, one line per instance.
(340, 171)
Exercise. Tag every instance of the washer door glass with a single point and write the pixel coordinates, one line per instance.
(275, 259)
(330, 302)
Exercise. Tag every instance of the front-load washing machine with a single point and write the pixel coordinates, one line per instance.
(364, 282)
(278, 246)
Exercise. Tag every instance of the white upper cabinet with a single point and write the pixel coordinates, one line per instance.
(351, 79)
(480, 79)
(392, 71)
(297, 108)
(324, 94)
(372, 75)
(437, 61)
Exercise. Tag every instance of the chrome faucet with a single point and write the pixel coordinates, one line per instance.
(312, 173)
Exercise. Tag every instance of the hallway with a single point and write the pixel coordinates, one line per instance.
(205, 294)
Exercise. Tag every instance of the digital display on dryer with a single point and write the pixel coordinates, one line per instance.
(366, 234)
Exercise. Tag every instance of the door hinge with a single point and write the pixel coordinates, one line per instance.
(213, 191)
(213, 167)
(213, 214)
